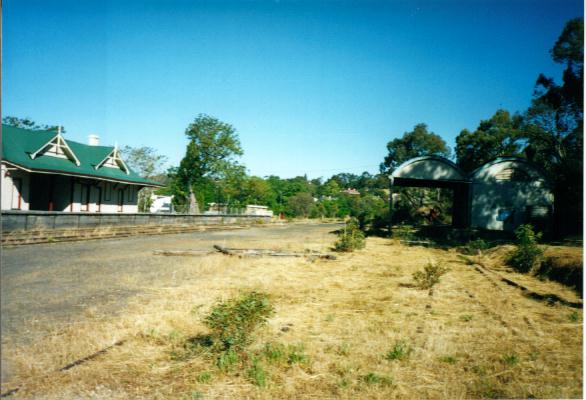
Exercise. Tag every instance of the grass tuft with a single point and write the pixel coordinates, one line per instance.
(400, 351)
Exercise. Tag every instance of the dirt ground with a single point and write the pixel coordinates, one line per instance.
(363, 329)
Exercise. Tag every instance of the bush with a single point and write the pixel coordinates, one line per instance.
(528, 252)
(430, 275)
(404, 232)
(351, 238)
(234, 321)
(399, 352)
(475, 247)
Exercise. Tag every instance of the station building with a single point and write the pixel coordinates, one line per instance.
(41, 170)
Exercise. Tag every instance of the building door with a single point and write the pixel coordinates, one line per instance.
(40, 192)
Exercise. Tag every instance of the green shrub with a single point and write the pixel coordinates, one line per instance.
(274, 353)
(475, 247)
(528, 253)
(350, 238)
(256, 374)
(448, 359)
(574, 317)
(296, 354)
(374, 379)
(277, 353)
(227, 360)
(404, 232)
(511, 359)
(399, 352)
(234, 321)
(430, 275)
(204, 377)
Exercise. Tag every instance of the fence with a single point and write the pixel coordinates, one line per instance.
(43, 220)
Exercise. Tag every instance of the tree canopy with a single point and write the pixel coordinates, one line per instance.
(495, 137)
(210, 154)
(28, 123)
(554, 127)
(144, 160)
(418, 142)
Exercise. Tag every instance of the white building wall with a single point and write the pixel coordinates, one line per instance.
(11, 190)
(62, 193)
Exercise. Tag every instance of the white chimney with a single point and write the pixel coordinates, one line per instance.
(93, 140)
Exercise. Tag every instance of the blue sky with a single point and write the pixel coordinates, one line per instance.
(311, 87)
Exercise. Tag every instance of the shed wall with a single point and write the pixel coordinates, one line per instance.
(498, 204)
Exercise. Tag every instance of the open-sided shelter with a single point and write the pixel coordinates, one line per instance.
(500, 195)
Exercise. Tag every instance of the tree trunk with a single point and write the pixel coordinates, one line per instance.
(193, 206)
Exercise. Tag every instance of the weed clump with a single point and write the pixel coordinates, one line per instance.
(399, 352)
(256, 374)
(574, 317)
(448, 359)
(528, 253)
(510, 359)
(475, 247)
(374, 379)
(204, 377)
(233, 322)
(430, 276)
(350, 238)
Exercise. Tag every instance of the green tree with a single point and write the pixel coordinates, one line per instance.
(367, 208)
(416, 143)
(345, 180)
(257, 191)
(498, 136)
(28, 123)
(300, 204)
(144, 160)
(330, 188)
(554, 128)
(211, 151)
(147, 163)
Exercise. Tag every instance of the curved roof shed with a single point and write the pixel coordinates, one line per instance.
(508, 192)
(431, 169)
(436, 172)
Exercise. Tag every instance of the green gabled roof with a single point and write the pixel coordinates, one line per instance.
(18, 144)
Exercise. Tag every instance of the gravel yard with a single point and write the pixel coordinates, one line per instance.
(45, 287)
(359, 326)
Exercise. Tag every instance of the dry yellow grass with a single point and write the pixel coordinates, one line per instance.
(475, 337)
